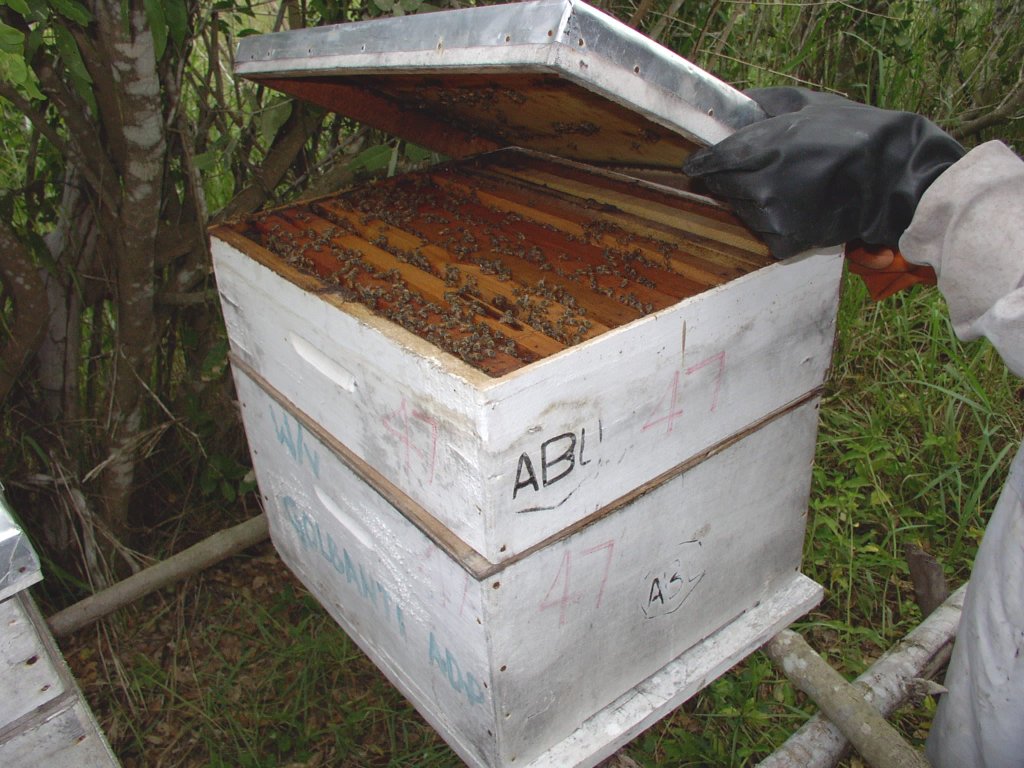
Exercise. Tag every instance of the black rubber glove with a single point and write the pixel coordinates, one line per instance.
(822, 170)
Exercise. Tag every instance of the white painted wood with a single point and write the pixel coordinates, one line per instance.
(510, 665)
(19, 565)
(644, 705)
(44, 721)
(65, 738)
(28, 676)
(506, 463)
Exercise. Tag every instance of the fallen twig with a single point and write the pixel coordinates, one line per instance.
(196, 558)
(887, 685)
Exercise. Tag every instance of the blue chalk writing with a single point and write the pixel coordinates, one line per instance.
(449, 666)
(314, 538)
(289, 434)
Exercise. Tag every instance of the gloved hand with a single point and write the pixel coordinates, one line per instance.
(884, 270)
(822, 170)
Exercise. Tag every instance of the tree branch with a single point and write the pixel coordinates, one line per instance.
(871, 734)
(641, 11)
(85, 146)
(21, 278)
(887, 685)
(298, 128)
(190, 561)
(1005, 111)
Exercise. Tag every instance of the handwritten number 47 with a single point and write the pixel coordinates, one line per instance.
(668, 416)
(560, 594)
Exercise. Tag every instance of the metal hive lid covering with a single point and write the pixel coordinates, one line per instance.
(19, 566)
(556, 76)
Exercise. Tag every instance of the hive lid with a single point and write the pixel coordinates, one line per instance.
(552, 75)
(19, 566)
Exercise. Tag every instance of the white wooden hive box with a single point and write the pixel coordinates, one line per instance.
(506, 461)
(44, 720)
(538, 433)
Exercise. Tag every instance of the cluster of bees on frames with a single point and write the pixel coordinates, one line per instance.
(469, 321)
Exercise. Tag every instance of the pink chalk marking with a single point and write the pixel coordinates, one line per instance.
(672, 394)
(465, 594)
(426, 419)
(568, 597)
(404, 432)
(610, 547)
(720, 359)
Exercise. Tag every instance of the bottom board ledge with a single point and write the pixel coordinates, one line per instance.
(642, 706)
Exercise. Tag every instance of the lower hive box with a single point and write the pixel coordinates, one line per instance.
(556, 657)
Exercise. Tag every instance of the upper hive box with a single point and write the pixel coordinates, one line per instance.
(537, 329)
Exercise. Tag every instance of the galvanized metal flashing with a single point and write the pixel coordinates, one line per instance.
(19, 565)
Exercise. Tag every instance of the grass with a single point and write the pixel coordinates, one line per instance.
(240, 667)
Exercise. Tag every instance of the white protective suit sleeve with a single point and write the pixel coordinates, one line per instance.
(969, 227)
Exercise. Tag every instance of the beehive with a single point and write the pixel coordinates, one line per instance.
(538, 433)
(44, 720)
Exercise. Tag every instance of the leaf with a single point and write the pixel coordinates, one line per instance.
(417, 154)
(34, 40)
(72, 58)
(157, 26)
(206, 161)
(38, 10)
(18, 6)
(207, 482)
(216, 361)
(11, 40)
(177, 20)
(72, 11)
(273, 117)
(18, 73)
(371, 159)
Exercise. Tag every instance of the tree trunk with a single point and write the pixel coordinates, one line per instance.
(131, 51)
(72, 247)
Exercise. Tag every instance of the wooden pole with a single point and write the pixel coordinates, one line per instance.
(871, 735)
(196, 558)
(887, 685)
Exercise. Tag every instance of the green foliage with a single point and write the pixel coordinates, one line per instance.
(948, 59)
(724, 725)
(49, 20)
(167, 19)
(272, 682)
(398, 7)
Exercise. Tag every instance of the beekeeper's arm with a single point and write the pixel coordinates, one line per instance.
(824, 171)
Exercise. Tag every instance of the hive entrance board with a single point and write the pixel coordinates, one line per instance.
(509, 258)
